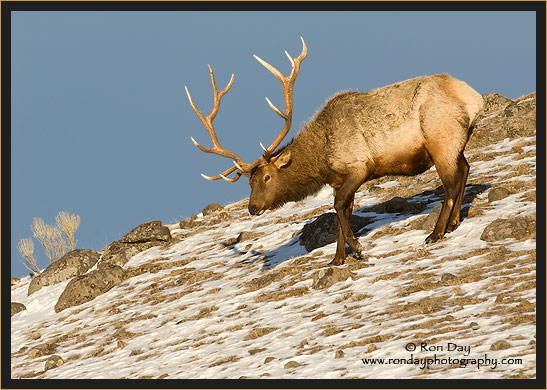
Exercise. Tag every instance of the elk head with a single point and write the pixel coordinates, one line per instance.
(264, 171)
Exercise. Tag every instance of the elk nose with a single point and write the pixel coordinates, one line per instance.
(252, 210)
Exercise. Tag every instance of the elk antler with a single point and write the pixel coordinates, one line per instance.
(287, 83)
(242, 167)
(208, 123)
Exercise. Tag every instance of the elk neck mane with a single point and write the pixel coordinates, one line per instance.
(308, 171)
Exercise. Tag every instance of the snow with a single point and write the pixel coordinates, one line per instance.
(203, 330)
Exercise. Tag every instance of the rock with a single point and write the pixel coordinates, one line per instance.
(17, 307)
(474, 326)
(430, 221)
(53, 361)
(513, 109)
(268, 359)
(339, 354)
(447, 277)
(219, 217)
(520, 118)
(326, 277)
(499, 345)
(500, 229)
(212, 208)
(397, 205)
(324, 230)
(494, 102)
(254, 351)
(522, 126)
(14, 281)
(85, 288)
(241, 237)
(42, 350)
(119, 253)
(189, 222)
(498, 193)
(146, 232)
(372, 348)
(143, 237)
(291, 364)
(74, 263)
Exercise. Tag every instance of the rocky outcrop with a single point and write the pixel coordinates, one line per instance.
(143, 237)
(74, 263)
(85, 288)
(147, 232)
(212, 208)
(504, 118)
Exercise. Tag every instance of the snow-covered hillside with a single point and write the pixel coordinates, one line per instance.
(208, 306)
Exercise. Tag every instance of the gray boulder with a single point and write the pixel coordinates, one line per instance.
(143, 237)
(398, 205)
(501, 229)
(119, 253)
(85, 288)
(324, 230)
(428, 223)
(74, 263)
(498, 193)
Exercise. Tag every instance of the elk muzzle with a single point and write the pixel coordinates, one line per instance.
(254, 210)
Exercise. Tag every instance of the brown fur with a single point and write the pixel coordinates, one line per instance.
(400, 129)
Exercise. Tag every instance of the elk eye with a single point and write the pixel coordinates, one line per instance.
(266, 178)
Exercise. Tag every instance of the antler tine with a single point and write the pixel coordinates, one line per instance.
(287, 84)
(224, 174)
(208, 123)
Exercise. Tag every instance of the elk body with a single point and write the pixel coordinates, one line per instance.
(400, 129)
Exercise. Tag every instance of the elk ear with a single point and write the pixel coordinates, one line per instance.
(282, 160)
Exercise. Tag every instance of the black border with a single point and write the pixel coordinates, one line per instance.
(271, 5)
(8, 6)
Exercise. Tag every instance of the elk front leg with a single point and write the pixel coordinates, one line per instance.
(340, 256)
(343, 204)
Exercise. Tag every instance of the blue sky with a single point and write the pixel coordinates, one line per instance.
(101, 123)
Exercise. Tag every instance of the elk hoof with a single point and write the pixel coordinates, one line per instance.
(452, 226)
(433, 237)
(337, 261)
(358, 252)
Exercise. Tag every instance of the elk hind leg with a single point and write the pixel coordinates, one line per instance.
(463, 172)
(450, 177)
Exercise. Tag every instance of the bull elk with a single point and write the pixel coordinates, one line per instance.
(400, 129)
